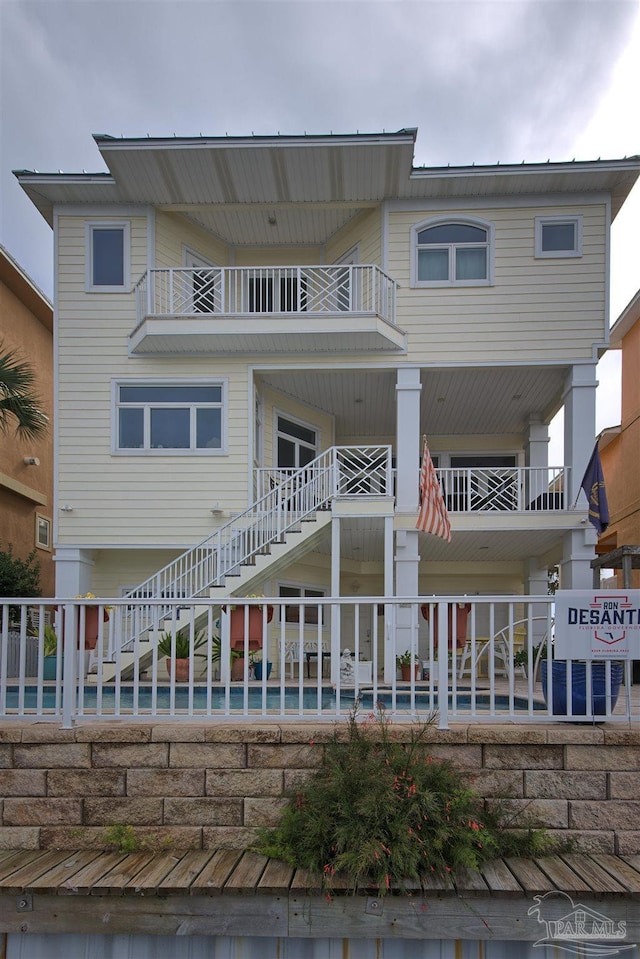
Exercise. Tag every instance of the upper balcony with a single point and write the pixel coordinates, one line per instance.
(343, 308)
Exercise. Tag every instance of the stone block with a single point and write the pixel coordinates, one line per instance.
(535, 813)
(263, 812)
(507, 734)
(523, 757)
(19, 837)
(41, 812)
(203, 812)
(165, 782)
(622, 735)
(23, 782)
(53, 756)
(86, 782)
(207, 755)
(621, 785)
(570, 733)
(295, 779)
(307, 733)
(462, 757)
(628, 842)
(134, 812)
(113, 733)
(565, 784)
(284, 756)
(497, 783)
(228, 837)
(178, 733)
(72, 837)
(589, 841)
(244, 782)
(47, 733)
(264, 733)
(614, 814)
(135, 756)
(12, 733)
(604, 758)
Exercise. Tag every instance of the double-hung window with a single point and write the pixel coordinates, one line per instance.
(312, 613)
(452, 253)
(558, 236)
(107, 256)
(185, 417)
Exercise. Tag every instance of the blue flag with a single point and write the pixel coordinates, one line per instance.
(593, 486)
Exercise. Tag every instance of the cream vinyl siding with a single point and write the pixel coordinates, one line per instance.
(540, 309)
(132, 498)
(117, 569)
(364, 231)
(278, 256)
(174, 232)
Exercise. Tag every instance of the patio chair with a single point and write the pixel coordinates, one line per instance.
(501, 650)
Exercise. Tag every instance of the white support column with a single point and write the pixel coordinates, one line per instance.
(389, 664)
(579, 424)
(407, 439)
(73, 572)
(579, 437)
(335, 591)
(537, 448)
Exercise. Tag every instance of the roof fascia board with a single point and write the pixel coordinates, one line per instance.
(529, 169)
(500, 200)
(108, 144)
(31, 177)
(21, 284)
(629, 316)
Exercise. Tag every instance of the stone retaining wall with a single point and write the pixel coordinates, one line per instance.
(211, 785)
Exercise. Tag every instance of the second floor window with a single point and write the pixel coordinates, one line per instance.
(169, 417)
(452, 253)
(107, 257)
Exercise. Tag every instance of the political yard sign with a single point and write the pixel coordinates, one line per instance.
(597, 624)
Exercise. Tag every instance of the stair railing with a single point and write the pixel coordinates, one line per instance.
(338, 471)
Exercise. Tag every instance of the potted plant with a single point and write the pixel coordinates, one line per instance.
(257, 665)
(50, 653)
(182, 652)
(254, 628)
(91, 624)
(404, 661)
(237, 658)
(595, 698)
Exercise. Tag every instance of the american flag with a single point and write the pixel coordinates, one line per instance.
(433, 516)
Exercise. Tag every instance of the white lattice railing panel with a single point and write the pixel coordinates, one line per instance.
(508, 489)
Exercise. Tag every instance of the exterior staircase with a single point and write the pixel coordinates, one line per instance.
(280, 525)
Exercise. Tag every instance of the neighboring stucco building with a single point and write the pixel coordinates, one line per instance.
(620, 445)
(26, 466)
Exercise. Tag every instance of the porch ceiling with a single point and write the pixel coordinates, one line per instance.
(453, 401)
(362, 541)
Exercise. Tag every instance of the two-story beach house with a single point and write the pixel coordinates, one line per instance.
(253, 334)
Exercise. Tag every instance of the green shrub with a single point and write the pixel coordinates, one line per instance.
(379, 812)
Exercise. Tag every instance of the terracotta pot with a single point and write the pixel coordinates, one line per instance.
(405, 672)
(237, 668)
(91, 625)
(460, 631)
(181, 669)
(254, 627)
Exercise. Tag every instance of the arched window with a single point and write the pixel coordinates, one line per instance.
(452, 252)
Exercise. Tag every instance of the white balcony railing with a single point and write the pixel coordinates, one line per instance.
(325, 655)
(237, 291)
(510, 489)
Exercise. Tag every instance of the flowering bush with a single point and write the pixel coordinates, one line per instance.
(379, 812)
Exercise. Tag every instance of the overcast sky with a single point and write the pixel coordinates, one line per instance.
(506, 80)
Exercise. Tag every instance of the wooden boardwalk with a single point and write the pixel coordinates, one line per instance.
(230, 892)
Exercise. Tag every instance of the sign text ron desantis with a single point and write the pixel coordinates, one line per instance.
(598, 624)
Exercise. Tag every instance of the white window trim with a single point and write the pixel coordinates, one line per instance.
(542, 221)
(90, 227)
(452, 218)
(156, 381)
(45, 519)
(306, 424)
(289, 584)
(191, 258)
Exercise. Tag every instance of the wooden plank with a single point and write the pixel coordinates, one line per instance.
(247, 873)
(185, 871)
(438, 884)
(530, 877)
(53, 878)
(621, 871)
(276, 878)
(23, 877)
(305, 881)
(500, 879)
(18, 858)
(82, 882)
(469, 882)
(212, 878)
(633, 861)
(114, 882)
(594, 875)
(146, 881)
(562, 877)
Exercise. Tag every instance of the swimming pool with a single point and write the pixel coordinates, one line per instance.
(213, 700)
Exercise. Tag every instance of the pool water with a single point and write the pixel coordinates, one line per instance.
(325, 700)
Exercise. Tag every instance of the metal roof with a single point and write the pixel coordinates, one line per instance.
(223, 182)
